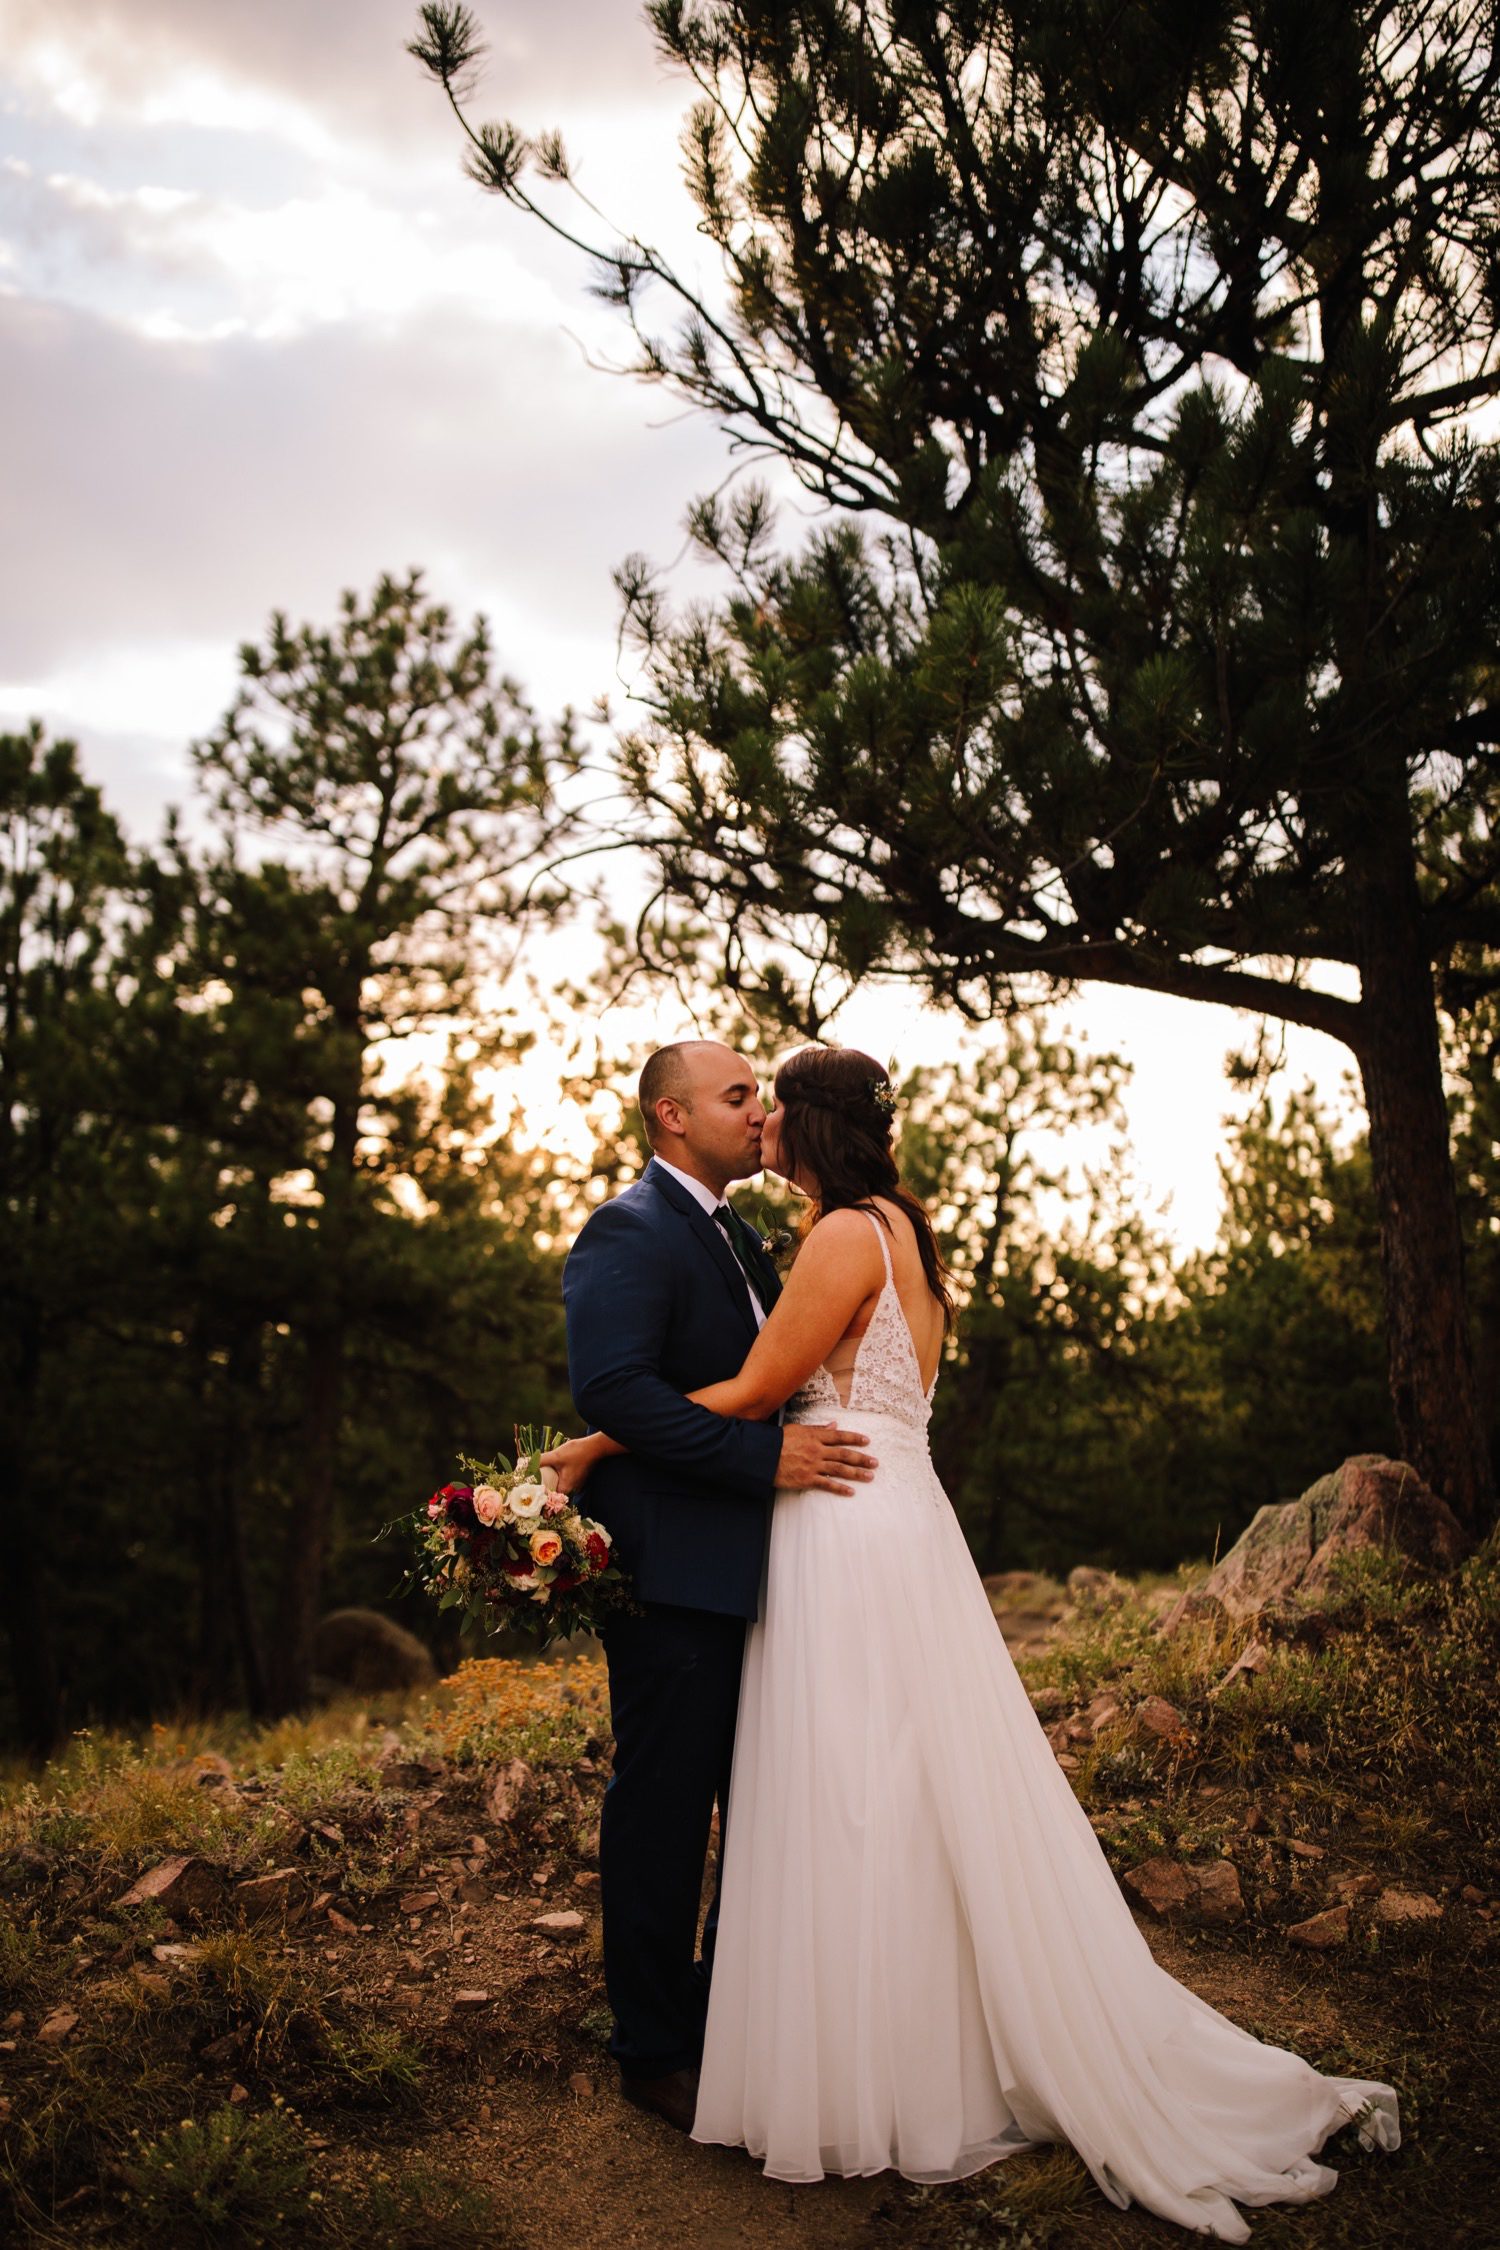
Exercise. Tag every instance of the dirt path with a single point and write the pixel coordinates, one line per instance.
(631, 2180)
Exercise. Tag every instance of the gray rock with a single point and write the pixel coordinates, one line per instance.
(1218, 1895)
(362, 1652)
(1368, 1504)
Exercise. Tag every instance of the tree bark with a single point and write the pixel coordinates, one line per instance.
(1433, 1388)
(310, 1530)
(227, 1632)
(309, 1534)
(244, 1358)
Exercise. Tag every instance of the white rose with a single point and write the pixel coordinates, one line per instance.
(489, 1505)
(523, 1585)
(549, 1479)
(527, 1501)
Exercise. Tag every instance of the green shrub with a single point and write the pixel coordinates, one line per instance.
(229, 2177)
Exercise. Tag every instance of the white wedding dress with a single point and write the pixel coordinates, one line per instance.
(923, 1961)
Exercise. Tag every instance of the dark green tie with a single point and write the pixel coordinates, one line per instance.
(730, 1224)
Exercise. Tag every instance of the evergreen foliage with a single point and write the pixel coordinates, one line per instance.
(269, 1268)
(1151, 638)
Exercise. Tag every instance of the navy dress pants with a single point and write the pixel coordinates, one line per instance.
(674, 1685)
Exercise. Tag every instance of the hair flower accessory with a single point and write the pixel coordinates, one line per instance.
(883, 1095)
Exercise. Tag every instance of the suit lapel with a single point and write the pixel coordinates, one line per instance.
(709, 1236)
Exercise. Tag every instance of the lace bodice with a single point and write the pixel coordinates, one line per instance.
(885, 1378)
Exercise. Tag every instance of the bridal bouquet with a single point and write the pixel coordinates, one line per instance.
(511, 1551)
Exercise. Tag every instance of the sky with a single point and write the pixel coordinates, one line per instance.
(260, 340)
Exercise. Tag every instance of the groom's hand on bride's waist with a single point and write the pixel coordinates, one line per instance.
(816, 1457)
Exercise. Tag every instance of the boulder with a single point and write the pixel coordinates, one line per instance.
(1100, 1588)
(208, 1770)
(1157, 1722)
(1320, 1931)
(1370, 1504)
(180, 1885)
(278, 1892)
(402, 1767)
(1019, 1589)
(362, 1652)
(565, 1924)
(1174, 1891)
(1399, 1908)
(1218, 1894)
(1163, 1886)
(511, 1792)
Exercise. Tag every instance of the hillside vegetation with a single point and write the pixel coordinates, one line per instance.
(337, 1981)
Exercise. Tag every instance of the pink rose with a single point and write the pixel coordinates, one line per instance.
(489, 1505)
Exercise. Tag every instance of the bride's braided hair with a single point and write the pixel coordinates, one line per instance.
(840, 1109)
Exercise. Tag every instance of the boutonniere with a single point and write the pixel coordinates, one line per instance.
(778, 1242)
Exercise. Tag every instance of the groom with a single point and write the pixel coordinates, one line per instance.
(666, 1289)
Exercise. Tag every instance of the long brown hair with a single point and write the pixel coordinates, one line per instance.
(839, 1110)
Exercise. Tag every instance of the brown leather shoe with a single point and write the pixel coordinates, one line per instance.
(674, 2097)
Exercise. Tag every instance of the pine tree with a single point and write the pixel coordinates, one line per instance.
(63, 872)
(1152, 639)
(404, 785)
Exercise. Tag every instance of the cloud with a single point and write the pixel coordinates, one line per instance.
(168, 492)
(179, 262)
(339, 67)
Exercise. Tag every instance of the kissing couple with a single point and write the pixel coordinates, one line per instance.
(917, 1957)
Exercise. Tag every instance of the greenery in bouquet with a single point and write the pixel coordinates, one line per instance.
(513, 1553)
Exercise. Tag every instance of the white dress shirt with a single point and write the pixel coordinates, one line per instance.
(707, 1201)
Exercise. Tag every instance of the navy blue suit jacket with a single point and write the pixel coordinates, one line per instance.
(657, 1307)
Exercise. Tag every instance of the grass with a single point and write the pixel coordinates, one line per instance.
(241, 2094)
(124, 2132)
(1376, 1752)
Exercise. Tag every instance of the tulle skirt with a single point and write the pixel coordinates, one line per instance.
(923, 1960)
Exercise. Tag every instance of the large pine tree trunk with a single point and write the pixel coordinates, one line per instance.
(1433, 1387)
(229, 1650)
(243, 1397)
(310, 1531)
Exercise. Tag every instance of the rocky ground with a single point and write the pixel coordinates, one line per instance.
(341, 1984)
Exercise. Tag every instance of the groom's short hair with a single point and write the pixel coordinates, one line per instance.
(665, 1078)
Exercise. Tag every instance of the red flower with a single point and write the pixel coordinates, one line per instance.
(458, 1499)
(596, 1547)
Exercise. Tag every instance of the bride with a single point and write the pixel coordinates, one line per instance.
(923, 1961)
